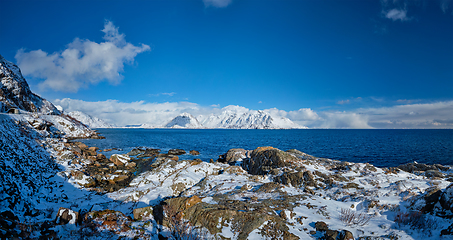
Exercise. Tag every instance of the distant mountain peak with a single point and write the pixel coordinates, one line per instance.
(90, 121)
(184, 120)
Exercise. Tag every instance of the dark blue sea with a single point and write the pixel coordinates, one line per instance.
(380, 147)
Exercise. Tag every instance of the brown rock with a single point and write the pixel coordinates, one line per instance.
(65, 216)
(346, 235)
(321, 226)
(144, 213)
(194, 152)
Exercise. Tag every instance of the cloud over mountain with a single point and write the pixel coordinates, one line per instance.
(82, 63)
(422, 115)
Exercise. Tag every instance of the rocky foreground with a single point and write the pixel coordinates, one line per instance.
(53, 188)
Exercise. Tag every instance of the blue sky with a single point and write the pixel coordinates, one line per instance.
(332, 57)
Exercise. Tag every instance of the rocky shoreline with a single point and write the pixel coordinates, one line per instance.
(265, 193)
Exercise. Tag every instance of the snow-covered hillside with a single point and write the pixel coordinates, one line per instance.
(241, 118)
(90, 121)
(184, 120)
(15, 92)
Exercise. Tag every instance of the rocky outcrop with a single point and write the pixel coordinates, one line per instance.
(264, 159)
(15, 92)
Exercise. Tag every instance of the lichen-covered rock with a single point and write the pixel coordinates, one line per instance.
(144, 213)
(264, 159)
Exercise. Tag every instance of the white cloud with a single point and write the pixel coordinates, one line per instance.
(397, 14)
(216, 3)
(427, 115)
(344, 120)
(82, 63)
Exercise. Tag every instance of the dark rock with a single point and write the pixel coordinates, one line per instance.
(135, 152)
(419, 167)
(331, 234)
(321, 226)
(447, 231)
(176, 152)
(433, 174)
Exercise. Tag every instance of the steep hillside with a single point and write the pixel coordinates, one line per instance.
(15, 92)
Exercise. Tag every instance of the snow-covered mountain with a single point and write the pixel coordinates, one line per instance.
(184, 120)
(242, 118)
(90, 121)
(15, 92)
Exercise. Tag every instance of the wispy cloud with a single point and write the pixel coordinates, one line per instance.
(397, 14)
(160, 94)
(341, 102)
(82, 63)
(217, 3)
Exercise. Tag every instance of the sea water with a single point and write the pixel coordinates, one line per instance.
(380, 147)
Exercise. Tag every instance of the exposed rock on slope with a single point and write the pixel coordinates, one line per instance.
(15, 92)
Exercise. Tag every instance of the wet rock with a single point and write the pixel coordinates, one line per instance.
(194, 152)
(65, 216)
(144, 213)
(176, 152)
(233, 155)
(264, 159)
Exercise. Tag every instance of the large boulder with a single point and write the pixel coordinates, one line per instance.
(233, 155)
(263, 159)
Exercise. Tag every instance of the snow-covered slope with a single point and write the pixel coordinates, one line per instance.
(241, 118)
(184, 120)
(15, 92)
(90, 121)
